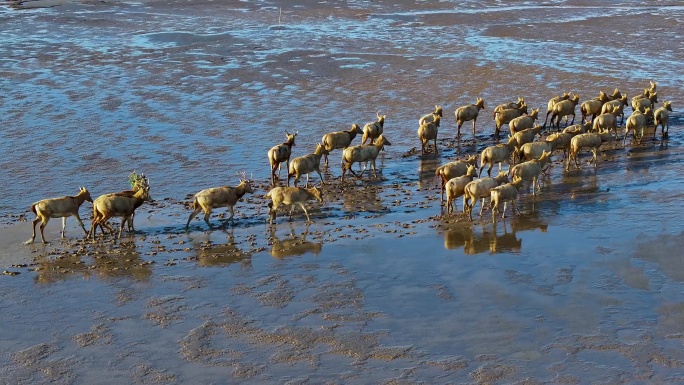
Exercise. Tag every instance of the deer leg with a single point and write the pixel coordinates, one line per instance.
(192, 215)
(33, 236)
(503, 215)
(373, 167)
(232, 213)
(320, 176)
(121, 227)
(308, 220)
(482, 206)
(273, 168)
(80, 222)
(474, 120)
(131, 228)
(42, 226)
(206, 217)
(515, 206)
(307, 180)
(92, 229)
(63, 226)
(107, 225)
(272, 212)
(102, 228)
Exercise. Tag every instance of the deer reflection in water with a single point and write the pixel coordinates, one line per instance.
(356, 200)
(294, 245)
(426, 171)
(529, 221)
(217, 255)
(102, 261)
(486, 240)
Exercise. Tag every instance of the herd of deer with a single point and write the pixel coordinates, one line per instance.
(457, 178)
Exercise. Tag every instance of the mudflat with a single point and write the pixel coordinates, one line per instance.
(383, 287)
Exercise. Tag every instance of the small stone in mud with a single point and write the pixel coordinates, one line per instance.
(10, 273)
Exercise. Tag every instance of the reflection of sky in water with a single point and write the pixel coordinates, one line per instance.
(565, 57)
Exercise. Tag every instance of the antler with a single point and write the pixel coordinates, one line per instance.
(133, 178)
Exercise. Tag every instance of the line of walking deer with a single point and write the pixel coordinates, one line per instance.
(599, 119)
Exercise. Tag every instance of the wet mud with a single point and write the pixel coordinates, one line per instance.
(383, 287)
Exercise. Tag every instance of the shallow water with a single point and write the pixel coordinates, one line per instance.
(582, 288)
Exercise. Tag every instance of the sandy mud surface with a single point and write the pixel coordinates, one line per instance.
(583, 288)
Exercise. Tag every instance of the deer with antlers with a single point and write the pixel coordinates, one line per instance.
(120, 204)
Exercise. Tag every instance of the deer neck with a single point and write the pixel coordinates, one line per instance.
(240, 190)
(139, 197)
(138, 202)
(80, 198)
(319, 151)
(510, 146)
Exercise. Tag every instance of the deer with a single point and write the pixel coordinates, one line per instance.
(279, 154)
(62, 207)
